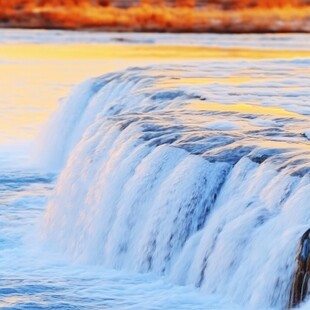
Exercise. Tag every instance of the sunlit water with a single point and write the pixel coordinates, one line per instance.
(207, 159)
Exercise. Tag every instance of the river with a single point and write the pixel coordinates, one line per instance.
(152, 171)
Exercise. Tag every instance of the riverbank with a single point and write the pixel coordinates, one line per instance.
(160, 19)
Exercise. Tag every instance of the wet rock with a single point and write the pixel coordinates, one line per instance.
(300, 288)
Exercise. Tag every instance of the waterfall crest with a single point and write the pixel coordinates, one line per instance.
(153, 182)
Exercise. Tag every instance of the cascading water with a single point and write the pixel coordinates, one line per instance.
(168, 171)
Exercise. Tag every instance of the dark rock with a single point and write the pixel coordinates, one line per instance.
(300, 287)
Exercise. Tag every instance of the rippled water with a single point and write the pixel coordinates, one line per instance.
(250, 118)
(34, 277)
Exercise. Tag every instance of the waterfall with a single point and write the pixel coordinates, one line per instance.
(150, 182)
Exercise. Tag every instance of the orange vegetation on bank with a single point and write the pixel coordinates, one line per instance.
(161, 15)
(17, 4)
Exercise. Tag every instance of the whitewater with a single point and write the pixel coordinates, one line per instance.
(162, 186)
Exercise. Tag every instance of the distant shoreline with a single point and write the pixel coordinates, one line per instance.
(172, 20)
(122, 30)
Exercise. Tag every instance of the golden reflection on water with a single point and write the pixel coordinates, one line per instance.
(110, 51)
(34, 76)
(29, 91)
(240, 107)
(208, 80)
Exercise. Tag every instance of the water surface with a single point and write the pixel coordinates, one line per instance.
(202, 152)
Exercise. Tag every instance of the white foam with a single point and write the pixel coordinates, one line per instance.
(150, 186)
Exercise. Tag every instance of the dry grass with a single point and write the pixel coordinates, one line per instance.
(149, 18)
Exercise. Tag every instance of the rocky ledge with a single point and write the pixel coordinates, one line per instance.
(300, 287)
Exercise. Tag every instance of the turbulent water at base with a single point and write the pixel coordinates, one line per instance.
(186, 172)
